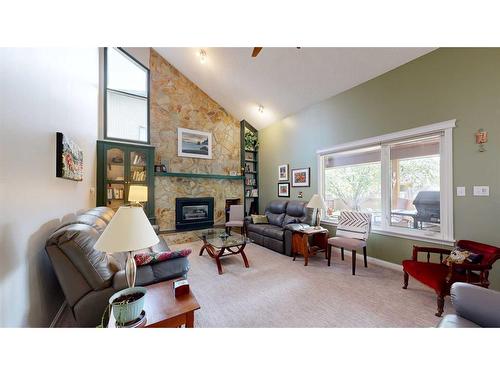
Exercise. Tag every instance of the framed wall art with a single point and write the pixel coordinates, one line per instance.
(69, 158)
(284, 189)
(194, 143)
(301, 177)
(283, 172)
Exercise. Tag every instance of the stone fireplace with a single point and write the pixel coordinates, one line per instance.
(194, 213)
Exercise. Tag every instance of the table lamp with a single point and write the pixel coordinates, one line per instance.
(137, 194)
(318, 203)
(129, 230)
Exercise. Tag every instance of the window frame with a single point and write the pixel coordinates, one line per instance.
(105, 98)
(445, 128)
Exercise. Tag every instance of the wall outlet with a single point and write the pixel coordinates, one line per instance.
(460, 191)
(481, 191)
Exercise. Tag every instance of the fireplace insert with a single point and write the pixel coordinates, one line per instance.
(194, 213)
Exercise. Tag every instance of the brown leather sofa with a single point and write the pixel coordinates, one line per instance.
(89, 277)
(284, 217)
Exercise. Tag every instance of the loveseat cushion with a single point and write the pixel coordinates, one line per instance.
(275, 219)
(267, 230)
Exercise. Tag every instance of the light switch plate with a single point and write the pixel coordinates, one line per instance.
(460, 191)
(481, 191)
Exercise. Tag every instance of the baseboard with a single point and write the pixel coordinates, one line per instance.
(378, 262)
(58, 315)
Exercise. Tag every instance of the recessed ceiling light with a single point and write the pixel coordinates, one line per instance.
(261, 108)
(203, 56)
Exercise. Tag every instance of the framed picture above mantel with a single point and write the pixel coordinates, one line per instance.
(194, 143)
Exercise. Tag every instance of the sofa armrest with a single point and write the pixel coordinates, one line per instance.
(477, 304)
(248, 220)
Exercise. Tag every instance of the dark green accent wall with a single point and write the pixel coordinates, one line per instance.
(449, 83)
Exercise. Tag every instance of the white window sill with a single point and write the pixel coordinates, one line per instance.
(407, 234)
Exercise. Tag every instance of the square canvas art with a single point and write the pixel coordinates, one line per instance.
(69, 158)
(194, 143)
(300, 177)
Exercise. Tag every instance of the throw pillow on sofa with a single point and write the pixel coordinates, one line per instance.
(142, 259)
(259, 219)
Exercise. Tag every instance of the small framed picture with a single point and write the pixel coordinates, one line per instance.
(301, 177)
(284, 189)
(283, 172)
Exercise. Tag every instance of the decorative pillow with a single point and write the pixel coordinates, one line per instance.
(275, 219)
(142, 259)
(457, 256)
(260, 219)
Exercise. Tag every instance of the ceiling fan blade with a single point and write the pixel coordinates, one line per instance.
(256, 51)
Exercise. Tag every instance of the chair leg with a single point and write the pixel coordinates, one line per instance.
(364, 256)
(440, 303)
(342, 252)
(353, 254)
(405, 277)
(329, 253)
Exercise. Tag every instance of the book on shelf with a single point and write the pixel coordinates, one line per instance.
(255, 193)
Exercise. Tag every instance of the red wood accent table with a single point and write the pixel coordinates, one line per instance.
(163, 310)
(310, 243)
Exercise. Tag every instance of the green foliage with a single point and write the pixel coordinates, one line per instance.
(419, 174)
(353, 184)
(251, 141)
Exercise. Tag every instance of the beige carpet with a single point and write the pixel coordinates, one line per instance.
(277, 292)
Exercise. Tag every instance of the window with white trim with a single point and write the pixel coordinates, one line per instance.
(126, 102)
(403, 179)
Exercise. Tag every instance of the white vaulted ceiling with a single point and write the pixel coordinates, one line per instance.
(283, 80)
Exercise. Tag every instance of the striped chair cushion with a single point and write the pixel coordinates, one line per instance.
(354, 225)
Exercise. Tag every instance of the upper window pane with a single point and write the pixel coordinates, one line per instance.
(127, 117)
(126, 75)
(352, 182)
(415, 184)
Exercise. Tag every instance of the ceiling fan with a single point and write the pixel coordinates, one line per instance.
(256, 51)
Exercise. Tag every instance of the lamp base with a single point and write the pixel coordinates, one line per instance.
(130, 270)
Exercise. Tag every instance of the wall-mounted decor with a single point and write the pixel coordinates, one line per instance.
(284, 189)
(481, 139)
(69, 159)
(301, 177)
(283, 172)
(300, 195)
(194, 143)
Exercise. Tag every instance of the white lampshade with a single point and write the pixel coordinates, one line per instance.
(317, 202)
(128, 230)
(138, 193)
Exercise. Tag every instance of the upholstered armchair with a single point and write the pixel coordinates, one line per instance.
(440, 277)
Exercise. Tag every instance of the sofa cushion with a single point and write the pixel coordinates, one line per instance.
(290, 220)
(275, 219)
(267, 230)
(277, 207)
(456, 321)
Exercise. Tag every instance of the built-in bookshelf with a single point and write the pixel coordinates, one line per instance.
(120, 165)
(250, 169)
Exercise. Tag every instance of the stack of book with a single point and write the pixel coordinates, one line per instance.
(115, 193)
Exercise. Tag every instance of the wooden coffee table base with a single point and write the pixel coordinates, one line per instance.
(224, 251)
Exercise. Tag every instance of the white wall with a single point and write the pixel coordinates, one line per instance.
(41, 91)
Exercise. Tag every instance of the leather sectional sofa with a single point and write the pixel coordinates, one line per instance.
(89, 277)
(283, 217)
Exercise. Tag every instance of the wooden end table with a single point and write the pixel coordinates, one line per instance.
(163, 310)
(310, 243)
(219, 244)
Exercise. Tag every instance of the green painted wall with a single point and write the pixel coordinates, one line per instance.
(449, 83)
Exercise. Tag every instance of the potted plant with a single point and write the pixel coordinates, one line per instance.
(251, 141)
(127, 304)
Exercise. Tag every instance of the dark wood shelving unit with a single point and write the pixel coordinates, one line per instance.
(250, 171)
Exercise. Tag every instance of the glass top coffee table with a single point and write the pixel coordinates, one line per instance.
(219, 244)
